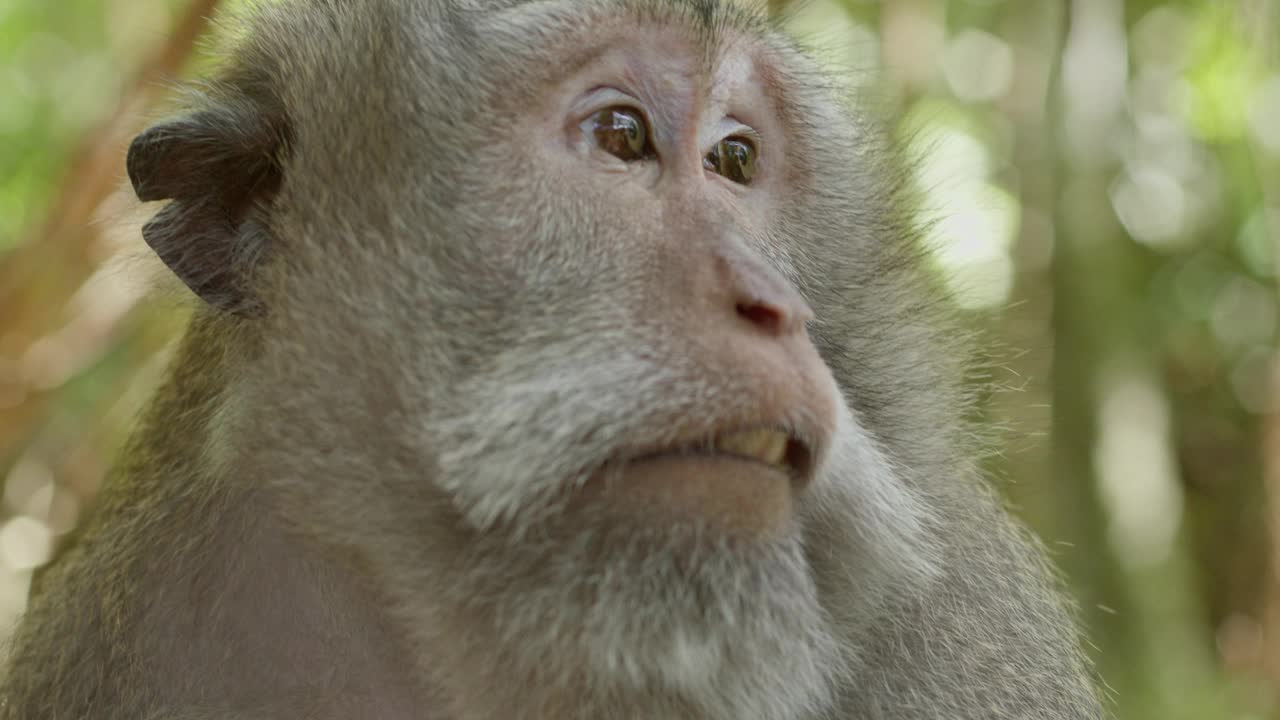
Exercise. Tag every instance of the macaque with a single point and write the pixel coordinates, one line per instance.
(552, 360)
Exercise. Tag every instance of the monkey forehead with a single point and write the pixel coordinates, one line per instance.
(709, 22)
(715, 43)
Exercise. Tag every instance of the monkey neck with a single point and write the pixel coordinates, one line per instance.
(175, 429)
(205, 613)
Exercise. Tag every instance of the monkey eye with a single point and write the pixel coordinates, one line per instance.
(734, 158)
(621, 132)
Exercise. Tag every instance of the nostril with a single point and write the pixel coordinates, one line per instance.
(763, 315)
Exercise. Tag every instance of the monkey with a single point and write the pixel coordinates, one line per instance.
(547, 359)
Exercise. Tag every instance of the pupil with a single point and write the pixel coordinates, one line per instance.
(733, 159)
(739, 161)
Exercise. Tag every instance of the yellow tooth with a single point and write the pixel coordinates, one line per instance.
(740, 443)
(767, 446)
(776, 451)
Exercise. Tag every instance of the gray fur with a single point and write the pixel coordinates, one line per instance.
(352, 504)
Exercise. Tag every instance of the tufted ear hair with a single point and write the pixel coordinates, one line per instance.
(221, 168)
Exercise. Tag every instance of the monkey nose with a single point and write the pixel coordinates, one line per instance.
(774, 316)
(767, 301)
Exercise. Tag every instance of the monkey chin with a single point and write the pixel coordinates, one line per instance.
(727, 495)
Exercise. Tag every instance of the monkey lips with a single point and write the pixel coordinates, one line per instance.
(741, 482)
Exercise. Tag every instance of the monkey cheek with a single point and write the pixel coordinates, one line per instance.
(725, 495)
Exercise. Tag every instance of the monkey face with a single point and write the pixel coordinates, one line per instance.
(627, 214)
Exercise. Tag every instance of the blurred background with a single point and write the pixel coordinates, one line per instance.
(1102, 181)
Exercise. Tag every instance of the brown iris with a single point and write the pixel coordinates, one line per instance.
(621, 132)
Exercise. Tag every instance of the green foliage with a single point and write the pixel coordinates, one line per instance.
(62, 66)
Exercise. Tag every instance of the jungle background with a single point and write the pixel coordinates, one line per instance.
(1101, 181)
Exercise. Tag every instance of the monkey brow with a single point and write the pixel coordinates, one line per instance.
(581, 56)
(584, 56)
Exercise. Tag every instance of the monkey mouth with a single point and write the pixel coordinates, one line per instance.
(772, 448)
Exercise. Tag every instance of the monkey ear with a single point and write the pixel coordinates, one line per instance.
(222, 169)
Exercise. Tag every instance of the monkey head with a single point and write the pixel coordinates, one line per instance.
(593, 324)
